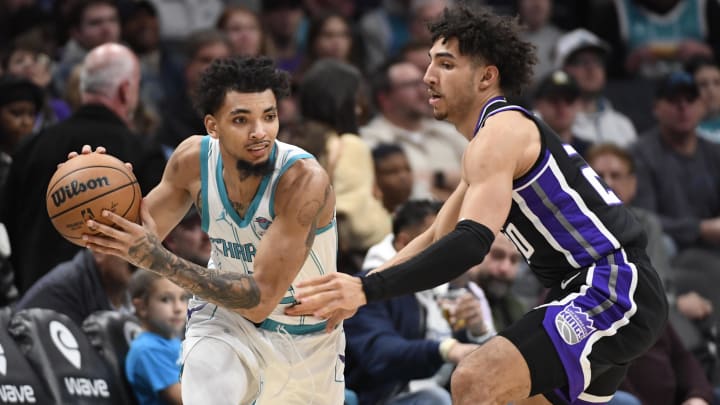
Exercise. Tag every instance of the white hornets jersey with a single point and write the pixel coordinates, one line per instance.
(235, 240)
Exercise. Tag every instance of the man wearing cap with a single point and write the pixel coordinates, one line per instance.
(679, 179)
(582, 54)
(557, 101)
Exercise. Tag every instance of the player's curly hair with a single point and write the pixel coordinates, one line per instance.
(490, 38)
(244, 75)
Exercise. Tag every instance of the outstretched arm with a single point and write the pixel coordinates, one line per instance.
(505, 149)
(443, 224)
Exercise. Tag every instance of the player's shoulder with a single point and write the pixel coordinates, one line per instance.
(509, 125)
(188, 149)
(305, 169)
(185, 159)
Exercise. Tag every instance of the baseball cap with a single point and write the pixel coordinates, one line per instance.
(677, 84)
(557, 84)
(575, 41)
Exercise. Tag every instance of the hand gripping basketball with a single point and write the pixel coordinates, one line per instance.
(87, 184)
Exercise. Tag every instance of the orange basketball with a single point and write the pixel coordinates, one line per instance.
(83, 187)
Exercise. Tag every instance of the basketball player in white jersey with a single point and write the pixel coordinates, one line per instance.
(268, 208)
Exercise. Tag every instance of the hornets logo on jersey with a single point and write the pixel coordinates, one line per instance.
(260, 225)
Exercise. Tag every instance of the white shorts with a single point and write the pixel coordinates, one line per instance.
(282, 368)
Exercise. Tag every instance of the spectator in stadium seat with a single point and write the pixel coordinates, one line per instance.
(706, 73)
(557, 101)
(393, 342)
(583, 55)
(152, 364)
(110, 91)
(89, 282)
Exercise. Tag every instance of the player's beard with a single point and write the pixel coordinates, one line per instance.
(248, 169)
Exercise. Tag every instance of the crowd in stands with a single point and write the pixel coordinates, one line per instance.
(631, 85)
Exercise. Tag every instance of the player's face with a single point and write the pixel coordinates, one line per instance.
(166, 308)
(451, 81)
(246, 125)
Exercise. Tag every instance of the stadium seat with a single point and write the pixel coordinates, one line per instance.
(61, 355)
(18, 382)
(110, 333)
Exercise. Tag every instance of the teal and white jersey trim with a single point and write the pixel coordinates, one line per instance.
(235, 240)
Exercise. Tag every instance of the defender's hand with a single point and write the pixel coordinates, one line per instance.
(334, 296)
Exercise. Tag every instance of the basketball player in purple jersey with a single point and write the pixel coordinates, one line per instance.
(606, 304)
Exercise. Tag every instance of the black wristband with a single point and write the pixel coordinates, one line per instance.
(439, 263)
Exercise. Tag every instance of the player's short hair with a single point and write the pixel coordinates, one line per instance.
(412, 213)
(491, 39)
(241, 74)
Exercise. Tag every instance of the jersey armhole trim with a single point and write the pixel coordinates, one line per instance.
(204, 149)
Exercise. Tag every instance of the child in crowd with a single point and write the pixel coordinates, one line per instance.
(152, 365)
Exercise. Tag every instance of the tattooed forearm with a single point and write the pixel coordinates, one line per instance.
(230, 290)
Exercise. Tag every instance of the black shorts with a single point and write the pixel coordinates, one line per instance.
(579, 344)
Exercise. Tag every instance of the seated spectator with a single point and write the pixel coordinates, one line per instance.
(557, 101)
(109, 91)
(434, 148)
(688, 310)
(90, 282)
(160, 72)
(152, 364)
(20, 102)
(243, 30)
(667, 374)
(26, 58)
(92, 23)
(179, 117)
(188, 240)
(583, 55)
(330, 35)
(496, 275)
(328, 97)
(539, 30)
(679, 180)
(392, 342)
(652, 38)
(281, 19)
(393, 175)
(706, 73)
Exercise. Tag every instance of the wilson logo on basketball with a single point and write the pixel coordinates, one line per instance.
(76, 188)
